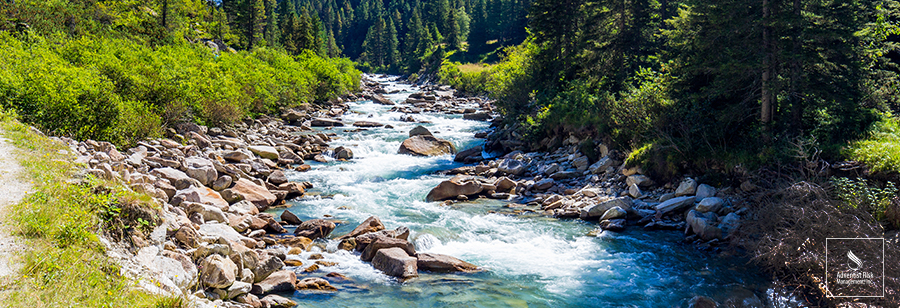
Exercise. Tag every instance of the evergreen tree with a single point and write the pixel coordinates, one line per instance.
(453, 33)
(392, 55)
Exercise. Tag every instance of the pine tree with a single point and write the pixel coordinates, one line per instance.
(392, 56)
(255, 22)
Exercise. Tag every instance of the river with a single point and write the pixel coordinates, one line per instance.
(531, 261)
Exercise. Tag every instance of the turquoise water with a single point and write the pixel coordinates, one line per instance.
(531, 261)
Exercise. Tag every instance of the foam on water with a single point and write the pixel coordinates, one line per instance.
(531, 261)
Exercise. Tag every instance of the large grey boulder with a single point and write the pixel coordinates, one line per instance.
(264, 151)
(280, 281)
(675, 204)
(423, 145)
(452, 188)
(217, 272)
(383, 242)
(395, 262)
(711, 204)
(258, 195)
(597, 211)
(371, 224)
(419, 131)
(439, 263)
(703, 224)
(200, 169)
(276, 301)
(705, 191)
(687, 187)
(512, 166)
(601, 165)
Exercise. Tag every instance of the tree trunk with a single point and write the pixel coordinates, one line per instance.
(767, 72)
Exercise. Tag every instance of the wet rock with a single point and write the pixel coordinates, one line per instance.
(315, 228)
(597, 211)
(218, 272)
(426, 146)
(687, 187)
(367, 124)
(314, 283)
(290, 218)
(674, 204)
(280, 281)
(381, 100)
(419, 131)
(702, 302)
(384, 242)
(615, 225)
(443, 264)
(275, 301)
(343, 153)
(371, 224)
(469, 155)
(614, 213)
(395, 262)
(452, 188)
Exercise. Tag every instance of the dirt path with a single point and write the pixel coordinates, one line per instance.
(12, 188)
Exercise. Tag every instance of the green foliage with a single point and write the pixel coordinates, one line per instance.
(121, 91)
(881, 149)
(863, 195)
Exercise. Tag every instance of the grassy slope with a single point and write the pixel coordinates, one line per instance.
(65, 265)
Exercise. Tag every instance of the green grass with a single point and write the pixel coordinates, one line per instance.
(65, 264)
(881, 149)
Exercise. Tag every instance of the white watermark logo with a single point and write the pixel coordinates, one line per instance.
(861, 273)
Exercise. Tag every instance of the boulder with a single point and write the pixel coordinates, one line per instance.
(395, 262)
(238, 288)
(601, 165)
(325, 122)
(419, 131)
(478, 116)
(280, 281)
(597, 211)
(208, 212)
(171, 273)
(266, 266)
(711, 204)
(439, 263)
(562, 175)
(187, 236)
(258, 195)
(703, 224)
(277, 177)
(367, 124)
(203, 195)
(581, 163)
(705, 191)
(687, 187)
(371, 224)
(426, 146)
(170, 174)
(293, 189)
(200, 169)
(264, 151)
(217, 230)
(729, 223)
(674, 204)
(543, 184)
(315, 228)
(615, 212)
(314, 283)
(639, 180)
(504, 184)
(613, 225)
(235, 156)
(452, 188)
(634, 191)
(381, 100)
(512, 166)
(217, 272)
(290, 218)
(343, 153)
(469, 155)
(222, 183)
(276, 301)
(383, 242)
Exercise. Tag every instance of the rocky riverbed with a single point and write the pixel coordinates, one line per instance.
(232, 233)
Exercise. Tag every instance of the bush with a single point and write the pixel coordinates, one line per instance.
(881, 149)
(860, 194)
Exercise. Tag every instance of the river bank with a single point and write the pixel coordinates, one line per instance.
(223, 236)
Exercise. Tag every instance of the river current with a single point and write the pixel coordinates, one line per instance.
(531, 260)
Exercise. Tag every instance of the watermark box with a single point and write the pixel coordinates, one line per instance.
(854, 267)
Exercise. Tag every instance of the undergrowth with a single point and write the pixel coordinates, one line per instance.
(65, 264)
